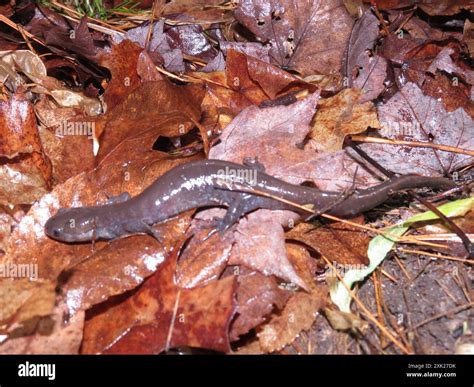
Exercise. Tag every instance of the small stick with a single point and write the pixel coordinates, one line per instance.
(416, 144)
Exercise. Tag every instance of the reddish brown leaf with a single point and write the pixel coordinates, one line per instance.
(257, 296)
(154, 107)
(160, 316)
(25, 175)
(122, 63)
(69, 153)
(204, 258)
(454, 95)
(52, 335)
(339, 242)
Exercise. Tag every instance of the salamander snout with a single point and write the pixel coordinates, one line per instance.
(71, 225)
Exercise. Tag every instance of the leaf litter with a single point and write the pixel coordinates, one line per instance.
(91, 110)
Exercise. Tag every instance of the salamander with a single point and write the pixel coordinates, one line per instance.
(216, 183)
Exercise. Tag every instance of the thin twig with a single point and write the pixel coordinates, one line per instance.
(416, 144)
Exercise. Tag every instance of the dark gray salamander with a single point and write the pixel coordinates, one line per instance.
(210, 183)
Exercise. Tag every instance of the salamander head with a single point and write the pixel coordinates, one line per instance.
(74, 225)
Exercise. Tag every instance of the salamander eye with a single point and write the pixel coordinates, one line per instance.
(56, 233)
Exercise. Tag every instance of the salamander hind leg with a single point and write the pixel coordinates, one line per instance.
(238, 207)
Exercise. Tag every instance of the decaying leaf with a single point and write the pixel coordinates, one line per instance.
(410, 115)
(52, 336)
(340, 116)
(25, 176)
(299, 34)
(161, 315)
(299, 312)
(339, 242)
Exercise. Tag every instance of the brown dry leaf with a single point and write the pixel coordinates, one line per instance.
(410, 115)
(32, 66)
(239, 79)
(161, 315)
(340, 116)
(23, 298)
(122, 63)
(299, 312)
(257, 296)
(257, 243)
(365, 69)
(444, 62)
(154, 107)
(247, 72)
(52, 336)
(339, 242)
(270, 134)
(307, 36)
(344, 321)
(449, 7)
(468, 34)
(70, 151)
(433, 8)
(25, 175)
(453, 95)
(9, 219)
(247, 81)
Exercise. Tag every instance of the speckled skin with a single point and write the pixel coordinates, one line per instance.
(211, 183)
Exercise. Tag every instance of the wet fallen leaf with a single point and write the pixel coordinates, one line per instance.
(364, 68)
(52, 336)
(161, 315)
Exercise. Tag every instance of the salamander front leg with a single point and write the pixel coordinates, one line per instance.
(253, 163)
(123, 197)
